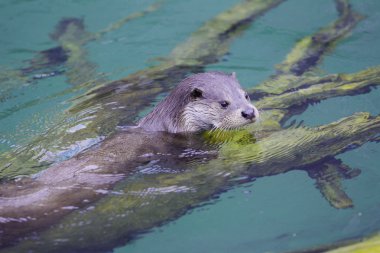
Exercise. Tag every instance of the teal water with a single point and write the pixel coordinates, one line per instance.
(273, 214)
(287, 212)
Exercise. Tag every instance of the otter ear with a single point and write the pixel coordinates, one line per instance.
(234, 75)
(196, 93)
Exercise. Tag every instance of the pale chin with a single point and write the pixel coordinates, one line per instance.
(257, 114)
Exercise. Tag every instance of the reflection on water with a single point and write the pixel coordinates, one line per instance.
(76, 179)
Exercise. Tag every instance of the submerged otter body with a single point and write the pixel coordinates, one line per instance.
(202, 102)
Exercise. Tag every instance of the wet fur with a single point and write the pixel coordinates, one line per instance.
(80, 178)
(181, 111)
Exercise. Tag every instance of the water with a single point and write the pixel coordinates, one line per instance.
(272, 214)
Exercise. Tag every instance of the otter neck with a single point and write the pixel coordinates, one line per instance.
(167, 115)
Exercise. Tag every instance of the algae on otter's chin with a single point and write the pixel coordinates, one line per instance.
(217, 136)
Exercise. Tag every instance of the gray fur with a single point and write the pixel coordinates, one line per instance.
(180, 111)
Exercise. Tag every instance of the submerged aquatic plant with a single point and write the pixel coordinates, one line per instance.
(143, 201)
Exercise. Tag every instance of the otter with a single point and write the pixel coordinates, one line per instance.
(206, 101)
(202, 101)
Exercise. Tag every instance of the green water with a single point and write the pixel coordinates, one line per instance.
(272, 214)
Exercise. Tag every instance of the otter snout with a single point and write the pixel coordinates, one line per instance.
(250, 113)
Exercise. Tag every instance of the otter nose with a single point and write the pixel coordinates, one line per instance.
(248, 114)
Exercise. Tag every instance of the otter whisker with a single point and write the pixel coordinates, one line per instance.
(213, 129)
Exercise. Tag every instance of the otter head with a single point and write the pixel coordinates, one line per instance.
(217, 101)
(205, 101)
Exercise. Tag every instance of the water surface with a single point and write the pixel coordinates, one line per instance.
(271, 214)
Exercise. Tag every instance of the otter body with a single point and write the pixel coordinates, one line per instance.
(202, 102)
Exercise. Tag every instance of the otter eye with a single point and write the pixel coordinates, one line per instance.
(224, 104)
(196, 93)
(246, 96)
